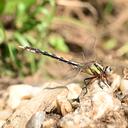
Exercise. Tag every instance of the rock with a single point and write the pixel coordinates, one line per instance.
(94, 107)
(37, 120)
(64, 106)
(5, 114)
(17, 93)
(74, 91)
(124, 86)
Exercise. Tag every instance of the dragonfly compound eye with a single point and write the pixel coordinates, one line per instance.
(108, 70)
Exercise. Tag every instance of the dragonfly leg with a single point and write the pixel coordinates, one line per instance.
(104, 81)
(107, 81)
(87, 83)
(100, 83)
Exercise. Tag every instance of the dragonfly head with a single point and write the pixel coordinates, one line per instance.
(108, 70)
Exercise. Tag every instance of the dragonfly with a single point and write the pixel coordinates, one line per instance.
(92, 68)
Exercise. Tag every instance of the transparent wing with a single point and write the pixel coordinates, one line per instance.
(89, 53)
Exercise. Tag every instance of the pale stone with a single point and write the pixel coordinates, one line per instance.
(17, 93)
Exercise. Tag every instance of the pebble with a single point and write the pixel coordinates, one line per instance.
(17, 93)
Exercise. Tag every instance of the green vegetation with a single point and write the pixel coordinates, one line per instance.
(25, 23)
(50, 24)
